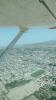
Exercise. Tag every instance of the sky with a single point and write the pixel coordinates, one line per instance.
(33, 35)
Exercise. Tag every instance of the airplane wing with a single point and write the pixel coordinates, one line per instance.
(54, 27)
(28, 13)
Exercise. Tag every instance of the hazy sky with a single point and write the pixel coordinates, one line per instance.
(33, 35)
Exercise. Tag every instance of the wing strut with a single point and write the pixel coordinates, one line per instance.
(46, 6)
(17, 37)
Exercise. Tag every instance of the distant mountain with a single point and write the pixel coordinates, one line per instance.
(51, 43)
(40, 44)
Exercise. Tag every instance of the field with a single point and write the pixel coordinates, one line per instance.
(37, 73)
(16, 83)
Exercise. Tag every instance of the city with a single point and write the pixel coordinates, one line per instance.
(27, 69)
